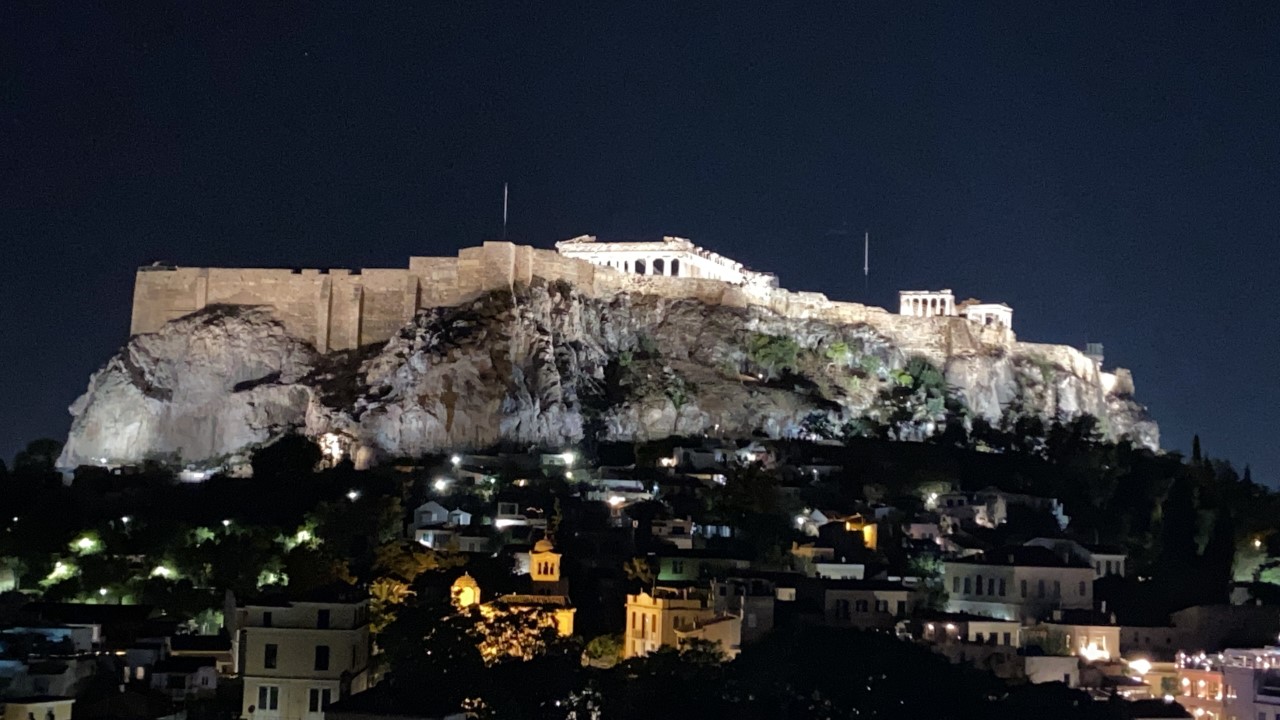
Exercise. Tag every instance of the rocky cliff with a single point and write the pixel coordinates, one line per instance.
(548, 366)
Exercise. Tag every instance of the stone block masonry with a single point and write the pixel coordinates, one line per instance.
(339, 309)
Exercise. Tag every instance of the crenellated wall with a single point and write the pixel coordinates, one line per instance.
(338, 309)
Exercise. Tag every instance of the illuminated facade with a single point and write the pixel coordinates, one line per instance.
(668, 617)
(1251, 683)
(300, 656)
(670, 257)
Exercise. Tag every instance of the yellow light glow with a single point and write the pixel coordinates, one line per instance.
(1093, 653)
(1142, 666)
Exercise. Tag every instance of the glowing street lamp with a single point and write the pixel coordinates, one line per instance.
(569, 457)
(353, 495)
(102, 592)
(440, 484)
(456, 460)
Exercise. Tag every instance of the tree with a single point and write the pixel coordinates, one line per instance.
(640, 571)
(604, 651)
(773, 354)
(38, 458)
(289, 457)
(1218, 561)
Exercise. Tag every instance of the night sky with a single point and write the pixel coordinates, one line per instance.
(1110, 170)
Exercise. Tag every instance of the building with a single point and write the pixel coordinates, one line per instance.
(867, 604)
(963, 628)
(1251, 683)
(1105, 559)
(942, 303)
(1091, 635)
(40, 707)
(751, 599)
(185, 677)
(988, 314)
(927, 303)
(671, 257)
(697, 564)
(300, 655)
(670, 616)
(548, 588)
(1201, 687)
(1018, 583)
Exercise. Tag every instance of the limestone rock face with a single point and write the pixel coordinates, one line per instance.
(546, 366)
(205, 386)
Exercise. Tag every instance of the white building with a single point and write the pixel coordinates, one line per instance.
(1252, 679)
(1105, 559)
(670, 257)
(942, 303)
(926, 303)
(299, 656)
(990, 314)
(1020, 583)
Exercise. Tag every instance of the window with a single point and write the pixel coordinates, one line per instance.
(354, 656)
(860, 606)
(266, 619)
(1057, 588)
(902, 607)
(204, 681)
(978, 590)
(842, 609)
(991, 586)
(322, 619)
(977, 637)
(1081, 588)
(322, 657)
(955, 584)
(268, 697)
(633, 619)
(968, 588)
(882, 606)
(319, 699)
(1002, 587)
(270, 652)
(675, 268)
(1007, 639)
(677, 567)
(1040, 588)
(1024, 588)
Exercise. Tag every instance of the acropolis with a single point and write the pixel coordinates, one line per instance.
(337, 308)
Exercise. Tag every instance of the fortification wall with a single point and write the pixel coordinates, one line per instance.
(340, 309)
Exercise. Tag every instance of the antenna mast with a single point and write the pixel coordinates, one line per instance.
(504, 211)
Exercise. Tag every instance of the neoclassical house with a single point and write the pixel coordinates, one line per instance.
(670, 257)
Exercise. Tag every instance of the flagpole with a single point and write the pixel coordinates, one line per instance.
(504, 211)
(866, 264)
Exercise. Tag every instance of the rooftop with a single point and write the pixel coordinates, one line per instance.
(1021, 555)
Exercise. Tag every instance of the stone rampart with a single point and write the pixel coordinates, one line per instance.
(339, 309)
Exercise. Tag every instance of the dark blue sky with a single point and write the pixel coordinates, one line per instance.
(1111, 170)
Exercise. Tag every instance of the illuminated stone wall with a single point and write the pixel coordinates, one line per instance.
(338, 309)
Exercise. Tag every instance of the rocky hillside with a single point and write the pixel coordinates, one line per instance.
(548, 366)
